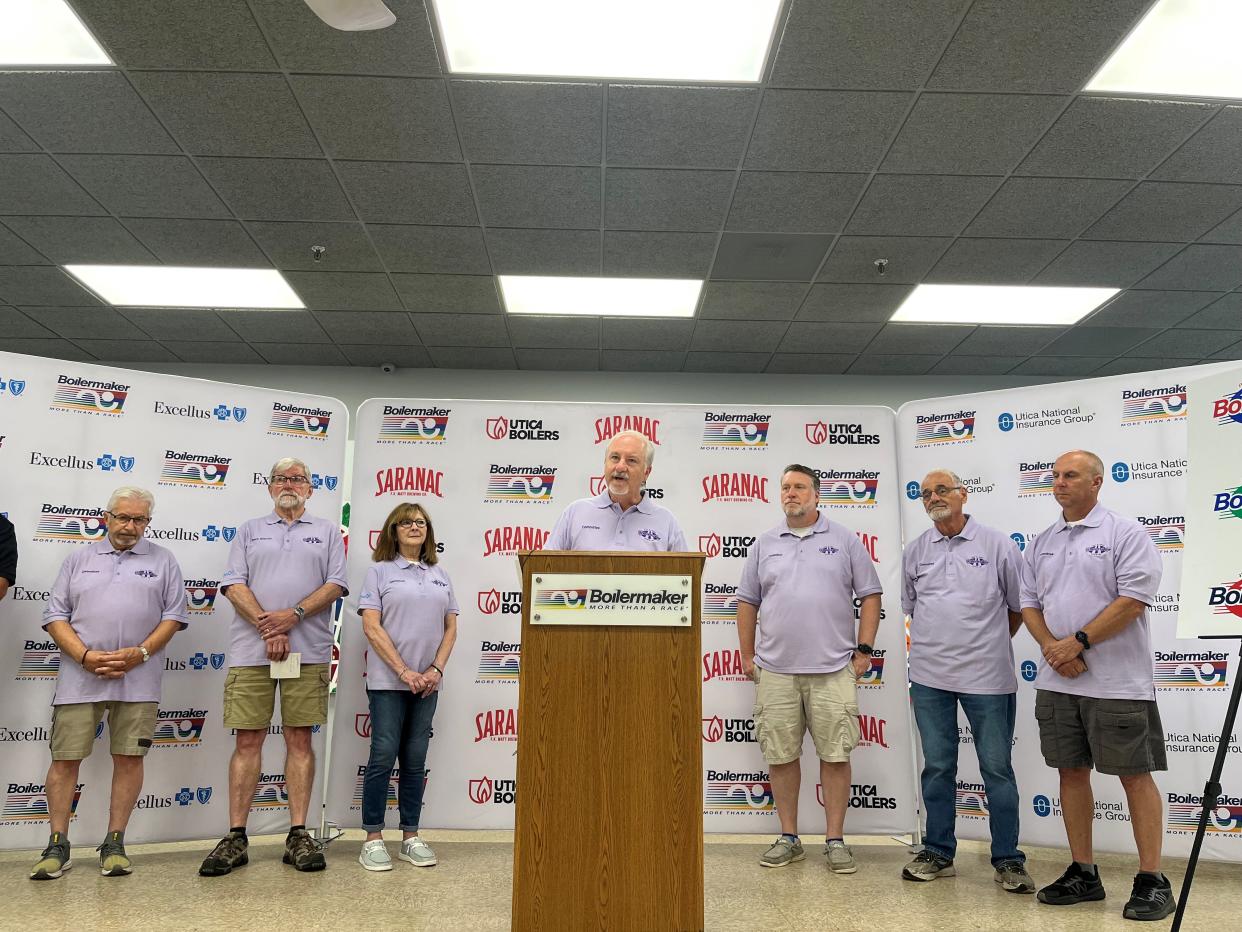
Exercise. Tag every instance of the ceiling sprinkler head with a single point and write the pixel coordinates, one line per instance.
(881, 266)
(317, 252)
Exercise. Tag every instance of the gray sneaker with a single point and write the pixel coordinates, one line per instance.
(1012, 876)
(417, 852)
(113, 861)
(840, 857)
(374, 856)
(782, 852)
(927, 865)
(55, 859)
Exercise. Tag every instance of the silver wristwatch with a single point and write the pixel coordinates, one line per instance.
(146, 654)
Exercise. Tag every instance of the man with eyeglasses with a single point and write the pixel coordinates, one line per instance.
(961, 588)
(285, 571)
(114, 606)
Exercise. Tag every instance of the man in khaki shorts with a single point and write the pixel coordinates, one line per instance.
(285, 570)
(114, 606)
(798, 591)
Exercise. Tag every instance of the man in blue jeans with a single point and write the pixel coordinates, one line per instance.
(961, 588)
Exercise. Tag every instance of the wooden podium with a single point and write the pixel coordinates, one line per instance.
(609, 822)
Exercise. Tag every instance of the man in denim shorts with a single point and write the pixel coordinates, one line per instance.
(285, 571)
(799, 643)
(1087, 581)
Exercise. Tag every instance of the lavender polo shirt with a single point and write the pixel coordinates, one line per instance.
(1072, 574)
(113, 599)
(958, 592)
(412, 599)
(282, 563)
(804, 588)
(599, 524)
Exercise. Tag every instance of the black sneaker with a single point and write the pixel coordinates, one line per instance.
(1150, 899)
(303, 852)
(228, 854)
(1074, 886)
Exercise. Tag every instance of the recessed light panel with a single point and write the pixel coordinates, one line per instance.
(654, 40)
(179, 286)
(45, 33)
(1000, 304)
(600, 297)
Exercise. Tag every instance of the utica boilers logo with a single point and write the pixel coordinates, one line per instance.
(200, 595)
(1035, 478)
(944, 429)
(821, 432)
(734, 487)
(496, 725)
(71, 524)
(1167, 532)
(848, 488)
(195, 470)
(89, 396)
(1153, 405)
(519, 484)
(508, 539)
(1225, 818)
(504, 428)
(736, 546)
(26, 803)
(729, 730)
(729, 792)
(493, 601)
(402, 424)
(719, 604)
(609, 426)
(498, 791)
(299, 421)
(1228, 410)
(1194, 670)
(418, 481)
(725, 431)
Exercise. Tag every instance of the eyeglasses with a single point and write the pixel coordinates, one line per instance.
(406, 523)
(289, 480)
(129, 519)
(941, 491)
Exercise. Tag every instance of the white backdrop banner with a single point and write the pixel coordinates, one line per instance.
(1003, 445)
(718, 469)
(69, 434)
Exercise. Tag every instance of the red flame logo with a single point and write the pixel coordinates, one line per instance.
(498, 428)
(481, 790)
(817, 433)
(713, 729)
(710, 544)
(489, 601)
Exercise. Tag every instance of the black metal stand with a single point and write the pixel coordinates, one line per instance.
(1211, 792)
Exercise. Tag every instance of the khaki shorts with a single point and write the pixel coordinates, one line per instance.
(250, 697)
(131, 726)
(787, 705)
(1115, 736)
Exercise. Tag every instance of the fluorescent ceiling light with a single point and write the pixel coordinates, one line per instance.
(1182, 48)
(36, 33)
(1000, 304)
(600, 297)
(673, 40)
(174, 286)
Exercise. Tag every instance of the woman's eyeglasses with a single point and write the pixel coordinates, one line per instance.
(406, 523)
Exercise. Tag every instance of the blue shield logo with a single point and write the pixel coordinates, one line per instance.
(203, 794)
(217, 661)
(330, 482)
(239, 414)
(229, 533)
(17, 386)
(127, 463)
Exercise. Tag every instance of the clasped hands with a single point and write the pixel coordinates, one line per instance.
(1064, 657)
(274, 628)
(111, 664)
(422, 683)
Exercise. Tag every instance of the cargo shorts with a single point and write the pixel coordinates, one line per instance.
(250, 697)
(1121, 737)
(787, 705)
(131, 728)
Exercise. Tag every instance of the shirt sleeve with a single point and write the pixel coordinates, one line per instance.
(238, 568)
(8, 551)
(336, 559)
(559, 538)
(1009, 574)
(60, 603)
(452, 594)
(909, 594)
(676, 538)
(1028, 589)
(749, 590)
(174, 593)
(866, 580)
(370, 597)
(1137, 563)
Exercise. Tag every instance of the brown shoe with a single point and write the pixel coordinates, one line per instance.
(303, 852)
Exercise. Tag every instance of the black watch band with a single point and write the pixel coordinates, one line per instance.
(1082, 639)
(865, 649)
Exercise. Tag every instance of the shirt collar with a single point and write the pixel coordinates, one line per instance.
(966, 533)
(1095, 517)
(603, 500)
(404, 564)
(819, 527)
(141, 548)
(275, 518)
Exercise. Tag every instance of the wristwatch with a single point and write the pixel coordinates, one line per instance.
(146, 654)
(865, 649)
(299, 611)
(1082, 639)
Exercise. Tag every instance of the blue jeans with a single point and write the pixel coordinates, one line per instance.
(400, 732)
(991, 721)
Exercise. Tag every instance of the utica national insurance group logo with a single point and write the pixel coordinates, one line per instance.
(1167, 532)
(1228, 410)
(179, 728)
(491, 791)
(70, 524)
(89, 396)
(415, 481)
(943, 429)
(734, 487)
(719, 604)
(40, 660)
(971, 801)
(1035, 478)
(402, 424)
(1195, 670)
(195, 470)
(26, 803)
(1225, 818)
(725, 431)
(848, 488)
(297, 421)
(727, 792)
(504, 428)
(200, 595)
(608, 427)
(1153, 405)
(519, 484)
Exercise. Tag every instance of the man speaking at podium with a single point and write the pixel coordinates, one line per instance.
(621, 517)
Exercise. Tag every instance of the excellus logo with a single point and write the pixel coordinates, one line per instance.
(849, 488)
(401, 424)
(1225, 818)
(70, 524)
(89, 396)
(725, 431)
(222, 412)
(297, 421)
(1153, 405)
(1166, 532)
(943, 429)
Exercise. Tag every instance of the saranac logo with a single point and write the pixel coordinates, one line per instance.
(941, 429)
(1153, 405)
(734, 487)
(735, 431)
(508, 539)
(298, 421)
(89, 396)
(496, 725)
(608, 427)
(401, 424)
(409, 480)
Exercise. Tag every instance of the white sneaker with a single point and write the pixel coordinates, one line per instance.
(374, 856)
(417, 852)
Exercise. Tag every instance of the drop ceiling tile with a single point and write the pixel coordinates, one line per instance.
(12, 139)
(658, 255)
(15, 324)
(643, 361)
(34, 184)
(186, 34)
(833, 131)
(752, 300)
(176, 323)
(1007, 341)
(1228, 231)
(809, 363)
(128, 350)
(1060, 365)
(544, 252)
(292, 328)
(770, 256)
(467, 295)
(411, 356)
(909, 258)
(690, 127)
(1046, 207)
(1211, 154)
(1126, 365)
(198, 242)
(456, 357)
(403, 192)
(740, 336)
(94, 323)
(794, 202)
(466, 330)
(863, 303)
(368, 328)
(555, 360)
(672, 199)
(1222, 314)
(912, 339)
(13, 251)
(726, 362)
(1116, 265)
(1098, 341)
(571, 333)
(286, 354)
(56, 349)
(402, 119)
(69, 240)
(994, 261)
(1181, 343)
(278, 189)
(975, 365)
(455, 250)
(646, 334)
(519, 122)
(289, 244)
(1167, 211)
(1151, 308)
(538, 196)
(1199, 267)
(214, 352)
(345, 291)
(1231, 352)
(827, 338)
(893, 365)
(144, 186)
(41, 286)
(921, 205)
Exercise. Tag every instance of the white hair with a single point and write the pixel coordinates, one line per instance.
(285, 463)
(133, 492)
(957, 480)
(648, 446)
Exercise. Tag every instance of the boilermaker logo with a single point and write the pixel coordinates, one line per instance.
(499, 662)
(87, 396)
(270, 793)
(972, 801)
(734, 487)
(195, 470)
(727, 792)
(724, 666)
(13, 386)
(737, 547)
(729, 730)
(944, 429)
(492, 790)
(1153, 405)
(390, 798)
(105, 462)
(507, 540)
(70, 524)
(719, 604)
(493, 601)
(592, 599)
(200, 595)
(295, 421)
(1174, 670)
(1225, 818)
(26, 803)
(221, 413)
(497, 725)
(409, 480)
(1228, 504)
(855, 488)
(1166, 532)
(1228, 410)
(179, 728)
(873, 676)
(503, 428)
(1035, 478)
(723, 431)
(871, 732)
(506, 483)
(608, 427)
(40, 660)
(820, 433)
(561, 599)
(212, 533)
(1226, 599)
(400, 424)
